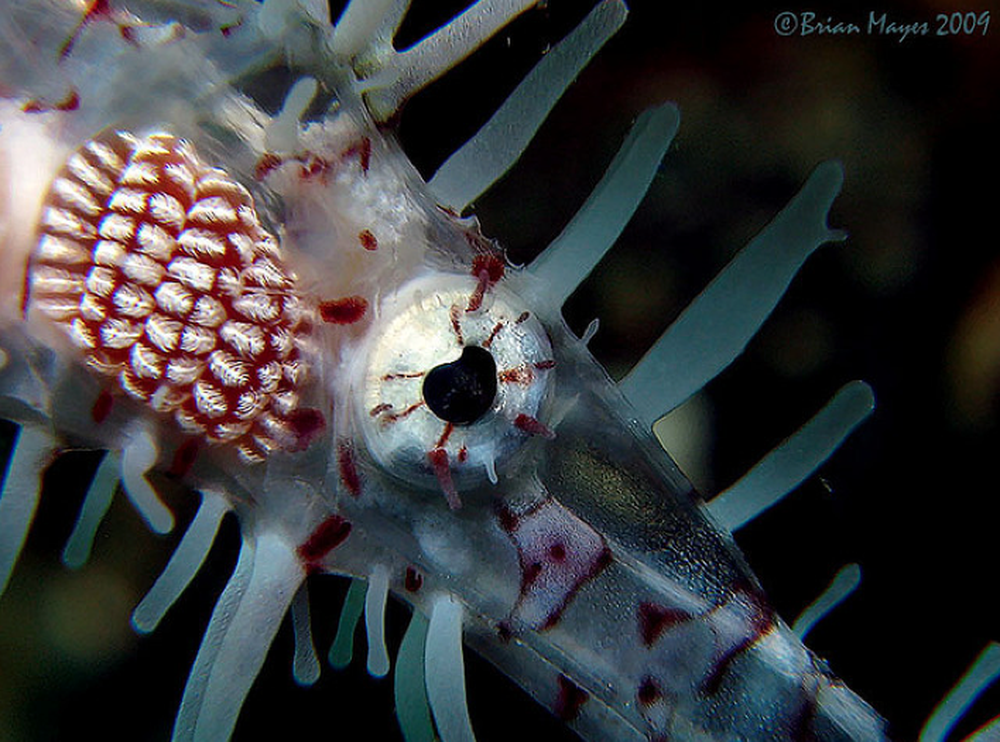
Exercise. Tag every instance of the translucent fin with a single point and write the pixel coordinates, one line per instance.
(412, 708)
(788, 465)
(407, 72)
(988, 732)
(22, 487)
(245, 639)
(283, 131)
(139, 456)
(95, 507)
(364, 24)
(444, 669)
(342, 650)
(375, 599)
(218, 625)
(573, 254)
(843, 584)
(719, 323)
(184, 564)
(483, 160)
(983, 671)
(305, 666)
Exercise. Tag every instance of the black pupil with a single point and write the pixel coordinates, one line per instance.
(462, 391)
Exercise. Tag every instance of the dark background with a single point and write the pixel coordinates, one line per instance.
(911, 303)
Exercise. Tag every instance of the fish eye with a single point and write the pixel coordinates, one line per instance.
(453, 383)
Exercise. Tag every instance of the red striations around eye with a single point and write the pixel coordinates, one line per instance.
(158, 269)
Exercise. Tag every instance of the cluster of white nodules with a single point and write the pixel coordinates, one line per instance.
(454, 381)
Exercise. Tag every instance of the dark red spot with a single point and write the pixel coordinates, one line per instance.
(522, 317)
(328, 536)
(184, 458)
(571, 697)
(363, 151)
(442, 470)
(505, 632)
(557, 552)
(379, 409)
(531, 426)
(102, 407)
(367, 239)
(306, 424)
(413, 580)
(463, 454)
(228, 29)
(267, 162)
(655, 619)
(509, 520)
(348, 468)
(545, 365)
(344, 311)
(648, 692)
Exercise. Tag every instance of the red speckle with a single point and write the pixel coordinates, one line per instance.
(522, 317)
(328, 536)
(571, 697)
(348, 468)
(439, 463)
(344, 311)
(102, 407)
(367, 240)
(545, 365)
(413, 580)
(532, 426)
(518, 375)
(184, 458)
(307, 424)
(557, 552)
(363, 151)
(267, 162)
(655, 619)
(379, 409)
(648, 692)
(463, 454)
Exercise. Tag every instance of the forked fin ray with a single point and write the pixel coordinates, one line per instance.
(718, 324)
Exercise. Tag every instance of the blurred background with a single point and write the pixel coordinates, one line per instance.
(910, 303)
